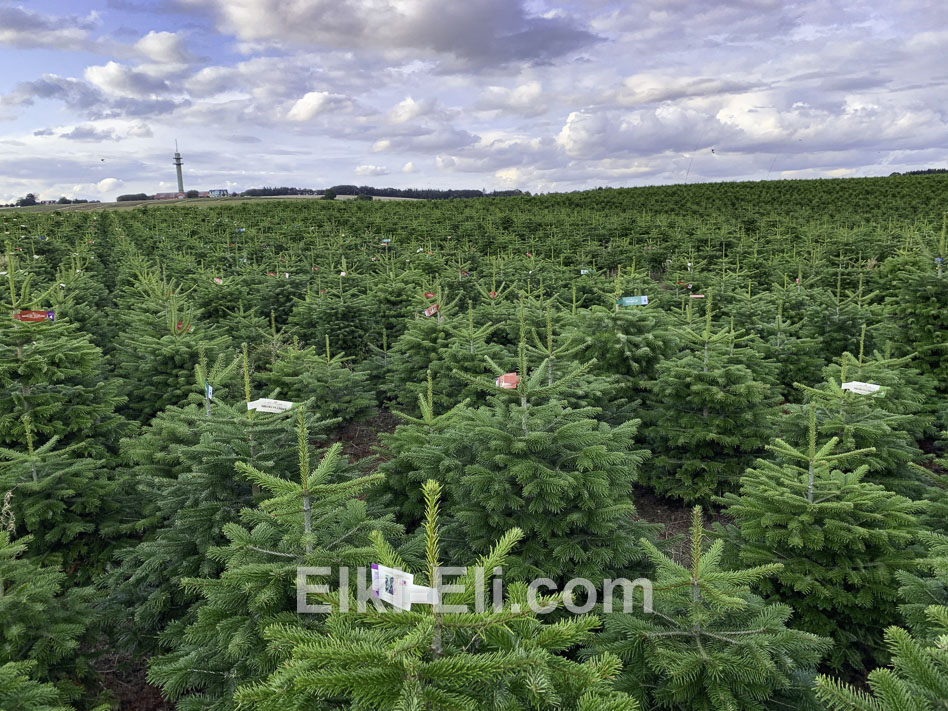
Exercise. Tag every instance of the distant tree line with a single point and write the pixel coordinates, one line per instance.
(927, 171)
(29, 200)
(135, 196)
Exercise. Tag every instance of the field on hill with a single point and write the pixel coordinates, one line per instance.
(737, 393)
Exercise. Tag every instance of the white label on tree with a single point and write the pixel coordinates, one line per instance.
(392, 585)
(861, 388)
(267, 405)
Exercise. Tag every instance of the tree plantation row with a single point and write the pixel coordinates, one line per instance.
(212, 417)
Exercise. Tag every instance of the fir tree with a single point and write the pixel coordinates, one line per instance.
(528, 461)
(709, 644)
(317, 521)
(916, 681)
(186, 493)
(628, 343)
(18, 692)
(405, 455)
(42, 624)
(51, 373)
(859, 421)
(337, 391)
(709, 416)
(157, 353)
(62, 499)
(488, 659)
(841, 541)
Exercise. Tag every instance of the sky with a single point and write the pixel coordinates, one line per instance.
(539, 95)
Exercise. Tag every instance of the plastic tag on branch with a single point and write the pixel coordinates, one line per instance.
(429, 295)
(268, 405)
(508, 381)
(431, 311)
(218, 280)
(492, 294)
(695, 296)
(632, 301)
(398, 588)
(864, 388)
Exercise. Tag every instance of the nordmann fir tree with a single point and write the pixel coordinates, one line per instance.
(186, 493)
(917, 679)
(43, 621)
(62, 499)
(859, 421)
(920, 304)
(526, 460)
(417, 350)
(841, 542)
(495, 658)
(709, 643)
(708, 416)
(158, 351)
(319, 520)
(337, 391)
(406, 454)
(51, 374)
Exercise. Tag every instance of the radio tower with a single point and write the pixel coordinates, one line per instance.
(177, 165)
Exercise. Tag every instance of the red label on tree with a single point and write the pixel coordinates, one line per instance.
(508, 381)
(492, 294)
(431, 311)
(33, 316)
(429, 295)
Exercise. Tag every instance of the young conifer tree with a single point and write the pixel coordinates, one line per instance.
(53, 375)
(19, 692)
(916, 680)
(860, 421)
(709, 416)
(485, 658)
(406, 456)
(43, 622)
(157, 351)
(841, 540)
(708, 643)
(186, 493)
(61, 499)
(319, 520)
(336, 391)
(527, 460)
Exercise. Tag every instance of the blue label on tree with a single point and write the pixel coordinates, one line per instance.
(632, 301)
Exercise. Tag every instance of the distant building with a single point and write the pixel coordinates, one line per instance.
(204, 194)
(169, 196)
(217, 193)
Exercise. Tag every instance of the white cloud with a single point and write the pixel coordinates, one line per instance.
(119, 80)
(316, 102)
(409, 167)
(107, 185)
(524, 100)
(370, 170)
(164, 47)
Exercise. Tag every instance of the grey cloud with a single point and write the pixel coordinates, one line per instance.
(89, 133)
(25, 29)
(466, 35)
(87, 100)
(243, 139)
(44, 132)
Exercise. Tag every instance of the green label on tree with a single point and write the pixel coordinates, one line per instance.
(632, 301)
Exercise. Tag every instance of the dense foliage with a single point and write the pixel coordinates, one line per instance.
(463, 383)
